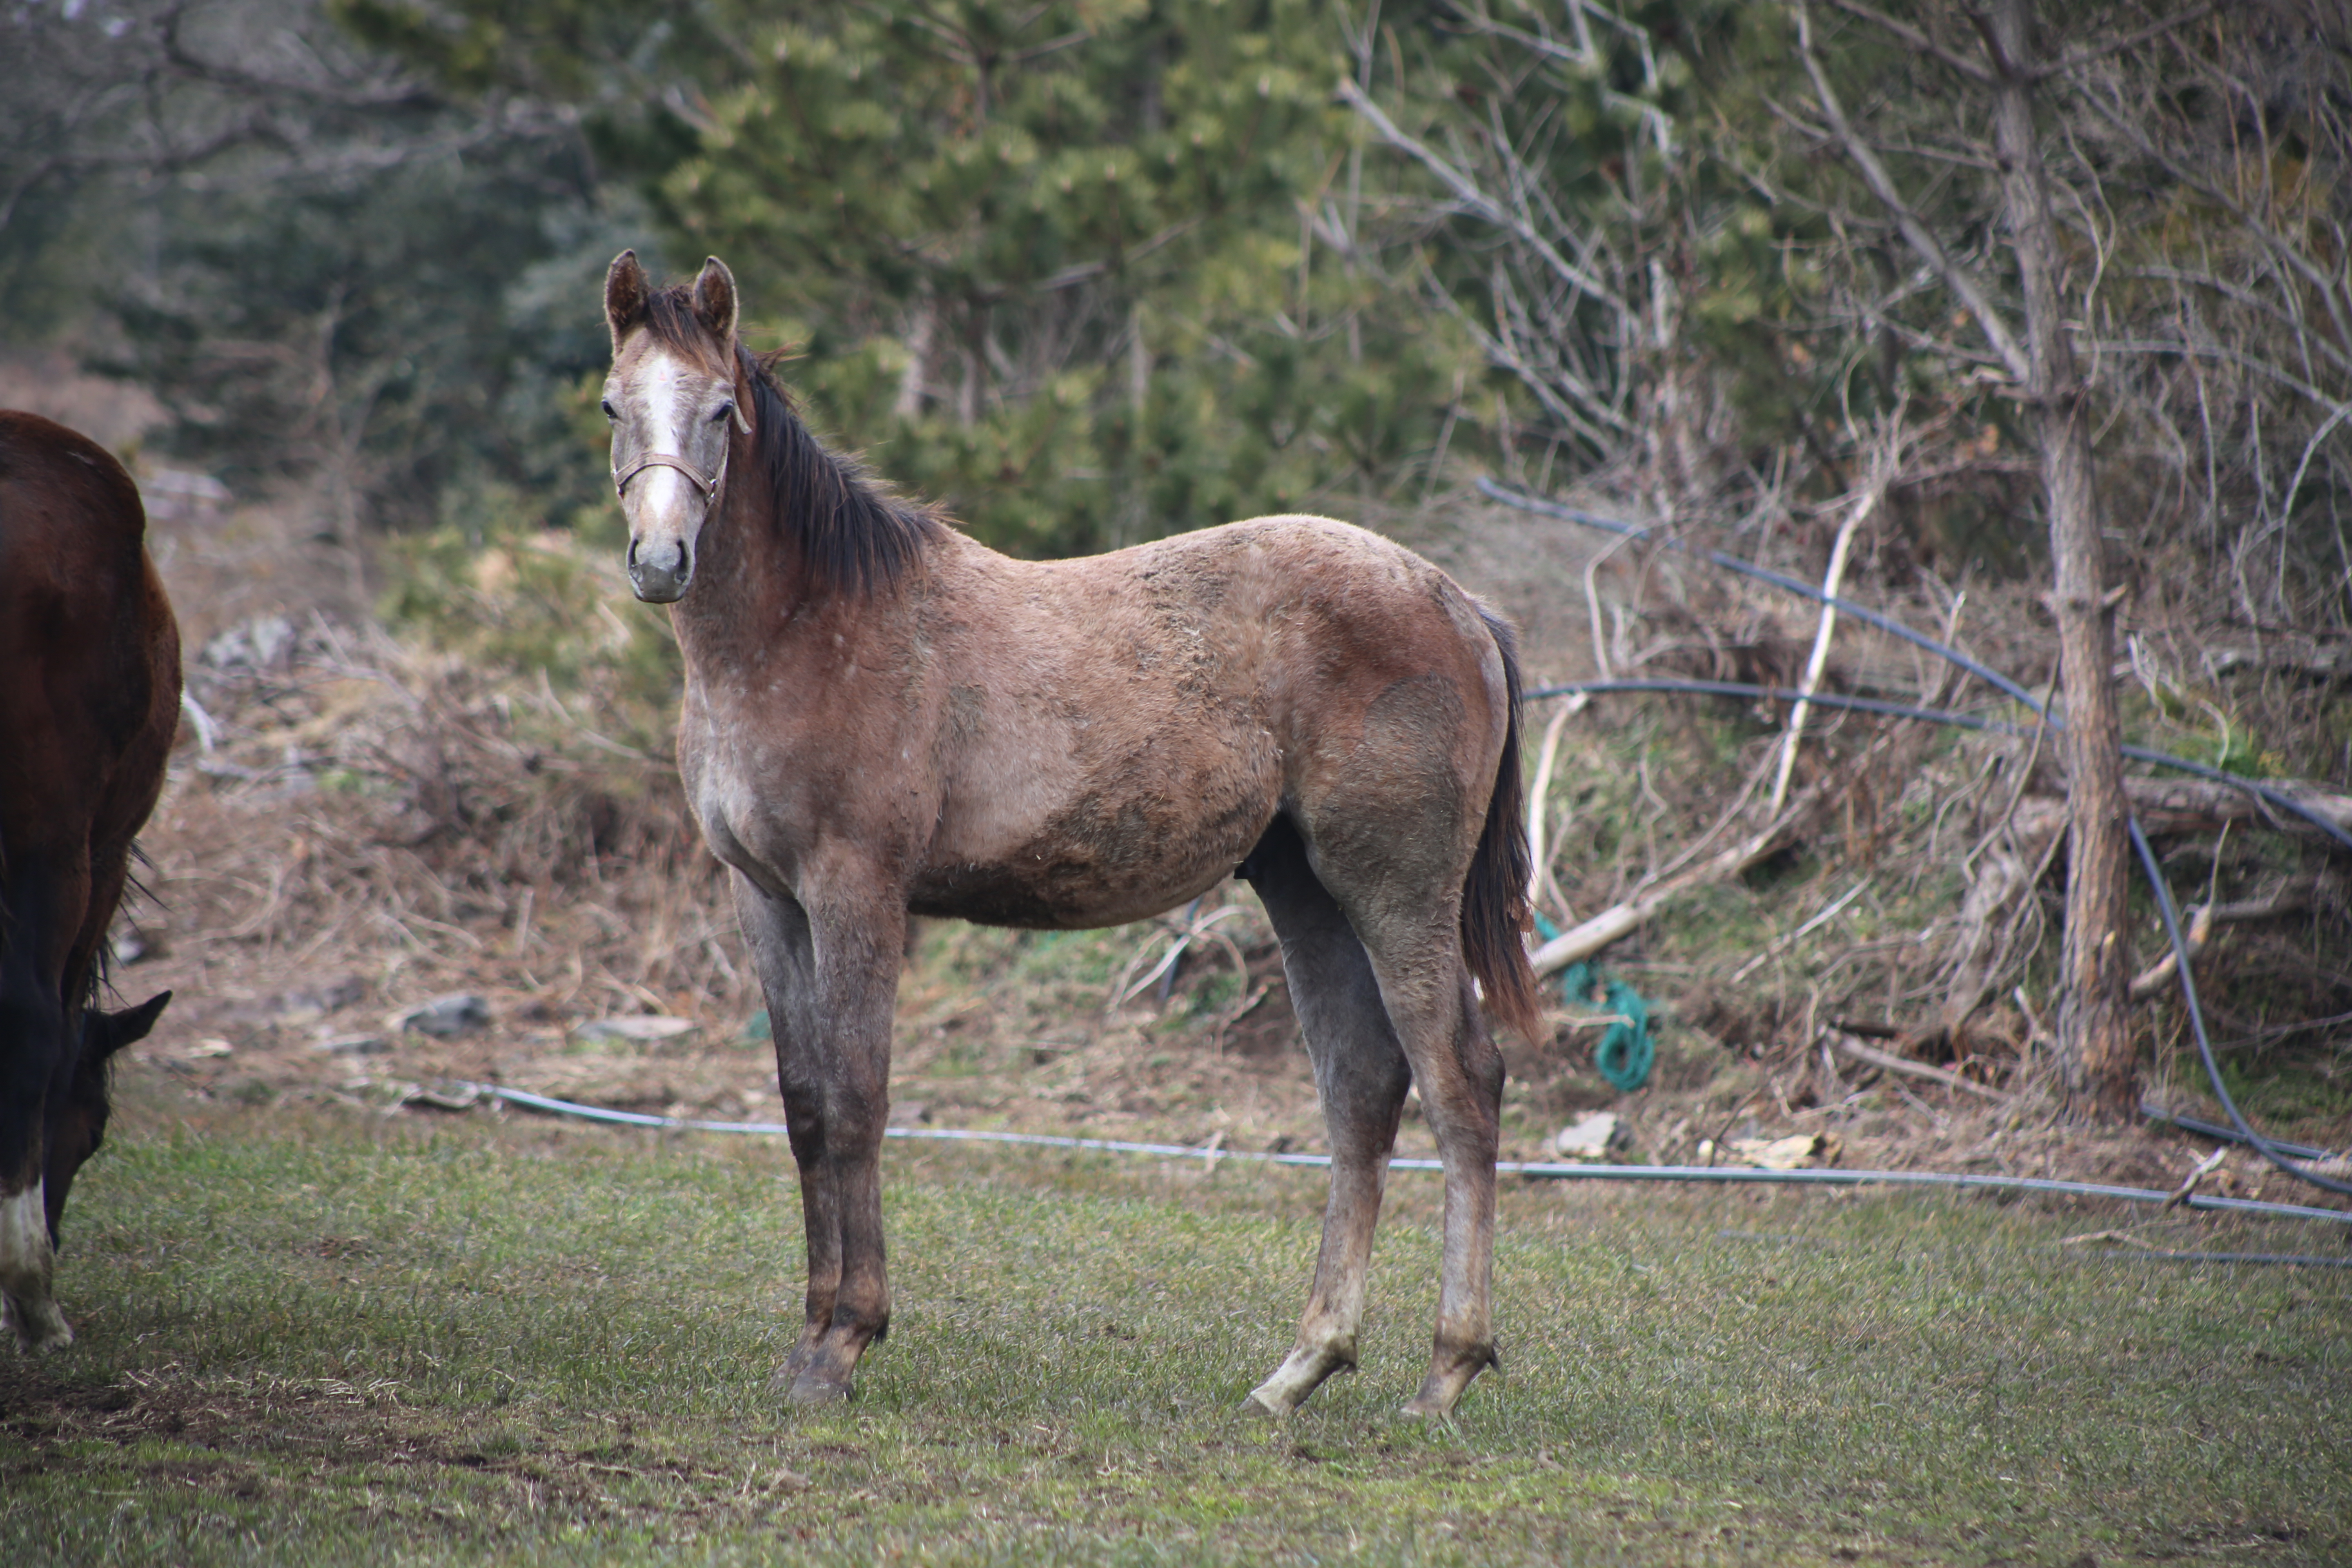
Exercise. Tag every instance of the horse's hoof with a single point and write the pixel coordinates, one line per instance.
(808, 1388)
(36, 1330)
(1272, 1407)
(1438, 1397)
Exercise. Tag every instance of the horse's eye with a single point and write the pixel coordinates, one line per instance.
(611, 412)
(725, 412)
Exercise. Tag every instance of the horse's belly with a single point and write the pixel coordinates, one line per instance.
(1105, 860)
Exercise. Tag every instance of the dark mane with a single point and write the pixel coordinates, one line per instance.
(853, 533)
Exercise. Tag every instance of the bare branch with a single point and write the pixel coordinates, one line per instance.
(2080, 57)
(2216, 351)
(2237, 294)
(2320, 280)
(1474, 200)
(1915, 232)
(1918, 42)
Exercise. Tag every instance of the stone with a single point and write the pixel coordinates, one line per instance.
(1598, 1136)
(639, 1028)
(446, 1017)
(356, 1044)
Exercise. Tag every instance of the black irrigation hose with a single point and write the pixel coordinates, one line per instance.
(2163, 891)
(2141, 1253)
(2221, 1134)
(1893, 627)
(1795, 585)
(1936, 716)
(2262, 1146)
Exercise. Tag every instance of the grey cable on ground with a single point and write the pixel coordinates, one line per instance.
(1732, 1176)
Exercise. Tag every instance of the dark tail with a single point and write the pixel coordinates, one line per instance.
(1494, 894)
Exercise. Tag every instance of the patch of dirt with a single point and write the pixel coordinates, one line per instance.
(249, 1439)
(350, 1422)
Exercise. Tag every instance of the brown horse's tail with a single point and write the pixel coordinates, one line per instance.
(1494, 894)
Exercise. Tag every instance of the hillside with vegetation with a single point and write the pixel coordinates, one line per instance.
(2033, 334)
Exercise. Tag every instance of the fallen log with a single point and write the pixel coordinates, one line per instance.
(1624, 917)
(2287, 900)
(1890, 1062)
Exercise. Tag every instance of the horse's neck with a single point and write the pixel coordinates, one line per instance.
(756, 604)
(743, 583)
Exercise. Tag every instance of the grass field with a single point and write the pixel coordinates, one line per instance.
(345, 1339)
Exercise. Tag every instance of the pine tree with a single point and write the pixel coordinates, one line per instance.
(1049, 263)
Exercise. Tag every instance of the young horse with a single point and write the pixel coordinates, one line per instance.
(883, 716)
(89, 699)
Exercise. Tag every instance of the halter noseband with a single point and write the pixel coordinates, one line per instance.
(706, 484)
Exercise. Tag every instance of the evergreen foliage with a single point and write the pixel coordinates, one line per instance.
(1086, 272)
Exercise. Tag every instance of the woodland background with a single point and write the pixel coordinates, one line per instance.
(1094, 273)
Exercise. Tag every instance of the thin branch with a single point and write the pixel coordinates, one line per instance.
(1915, 232)
(2320, 280)
(1919, 42)
(1473, 199)
(2216, 351)
(2067, 62)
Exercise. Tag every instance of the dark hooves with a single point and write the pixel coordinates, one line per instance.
(808, 1388)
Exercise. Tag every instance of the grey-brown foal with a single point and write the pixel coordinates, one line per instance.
(882, 716)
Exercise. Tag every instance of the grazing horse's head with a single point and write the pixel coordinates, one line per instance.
(675, 406)
(78, 1127)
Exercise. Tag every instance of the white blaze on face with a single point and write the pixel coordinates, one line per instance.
(25, 1261)
(660, 492)
(668, 418)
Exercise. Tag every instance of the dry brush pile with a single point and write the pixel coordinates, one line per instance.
(485, 800)
(476, 793)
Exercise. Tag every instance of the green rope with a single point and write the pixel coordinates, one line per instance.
(1626, 1052)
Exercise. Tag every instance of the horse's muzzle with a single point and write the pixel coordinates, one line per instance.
(660, 574)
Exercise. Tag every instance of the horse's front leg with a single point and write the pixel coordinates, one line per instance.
(830, 972)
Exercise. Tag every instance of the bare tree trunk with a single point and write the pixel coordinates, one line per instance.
(2095, 1056)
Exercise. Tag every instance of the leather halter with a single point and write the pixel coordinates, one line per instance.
(706, 484)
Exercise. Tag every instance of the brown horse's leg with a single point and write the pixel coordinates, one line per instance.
(41, 902)
(1414, 948)
(1459, 1074)
(1393, 823)
(829, 1002)
(1361, 1078)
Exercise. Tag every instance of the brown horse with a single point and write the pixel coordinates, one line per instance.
(89, 701)
(883, 716)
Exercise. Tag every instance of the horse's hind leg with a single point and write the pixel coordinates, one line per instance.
(1459, 1074)
(1360, 1076)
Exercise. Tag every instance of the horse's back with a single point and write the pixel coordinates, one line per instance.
(65, 500)
(1321, 627)
(1124, 727)
(89, 680)
(89, 650)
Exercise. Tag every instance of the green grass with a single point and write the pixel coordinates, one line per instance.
(333, 1340)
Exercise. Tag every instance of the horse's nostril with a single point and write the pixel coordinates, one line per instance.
(633, 552)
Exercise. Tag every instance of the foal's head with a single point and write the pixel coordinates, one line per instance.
(675, 401)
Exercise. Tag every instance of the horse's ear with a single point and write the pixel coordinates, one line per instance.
(626, 288)
(106, 1032)
(714, 299)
